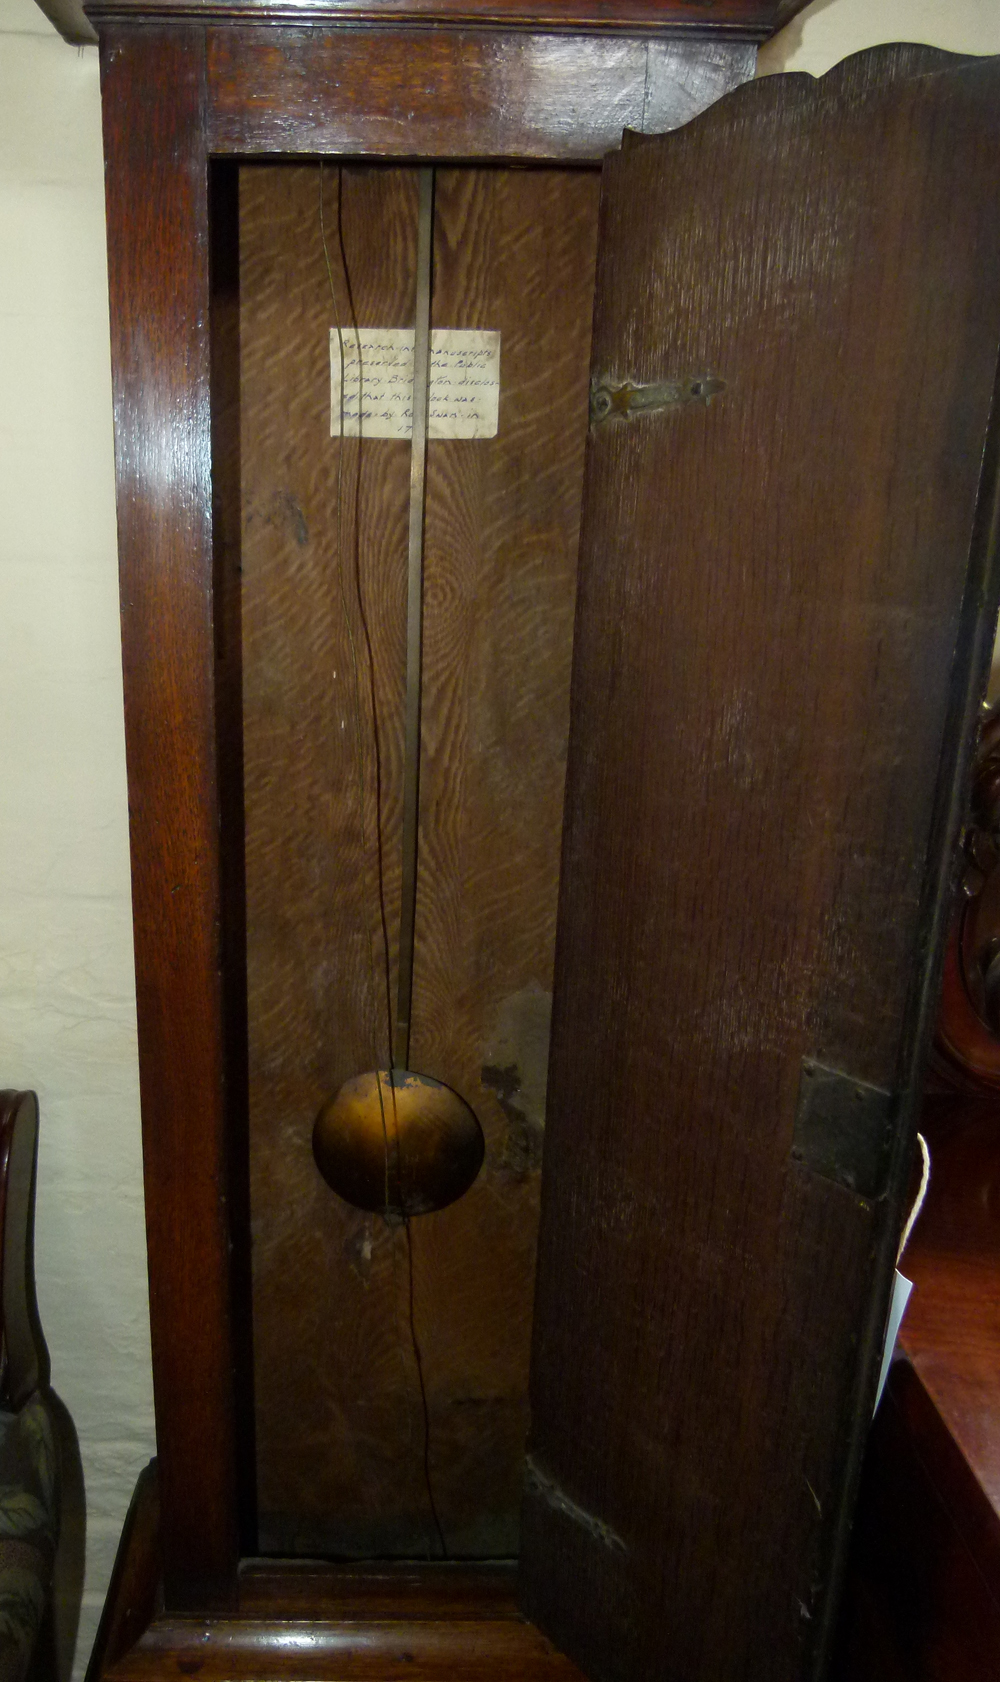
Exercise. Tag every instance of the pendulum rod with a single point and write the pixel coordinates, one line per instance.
(391, 1139)
(411, 752)
(414, 619)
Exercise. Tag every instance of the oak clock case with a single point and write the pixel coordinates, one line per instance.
(733, 534)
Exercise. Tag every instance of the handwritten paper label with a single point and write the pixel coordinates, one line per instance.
(378, 383)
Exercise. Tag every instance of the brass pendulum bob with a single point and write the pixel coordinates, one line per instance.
(435, 1144)
(393, 1141)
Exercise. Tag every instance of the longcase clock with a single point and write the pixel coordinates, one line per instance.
(597, 760)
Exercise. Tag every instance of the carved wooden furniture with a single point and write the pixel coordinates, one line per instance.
(787, 536)
(29, 1475)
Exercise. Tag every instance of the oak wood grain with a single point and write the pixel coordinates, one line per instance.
(515, 252)
(785, 604)
(340, 1431)
(458, 93)
(332, 1381)
(158, 256)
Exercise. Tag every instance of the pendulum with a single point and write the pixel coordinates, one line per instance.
(393, 1141)
(397, 1143)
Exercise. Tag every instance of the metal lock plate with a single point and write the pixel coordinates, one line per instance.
(844, 1129)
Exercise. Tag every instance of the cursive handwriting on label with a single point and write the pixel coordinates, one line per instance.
(375, 388)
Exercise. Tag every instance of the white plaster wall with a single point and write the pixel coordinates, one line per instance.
(67, 996)
(67, 1008)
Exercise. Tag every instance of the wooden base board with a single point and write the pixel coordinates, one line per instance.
(305, 1621)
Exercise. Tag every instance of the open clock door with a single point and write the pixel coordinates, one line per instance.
(786, 602)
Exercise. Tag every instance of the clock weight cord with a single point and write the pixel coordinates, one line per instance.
(411, 759)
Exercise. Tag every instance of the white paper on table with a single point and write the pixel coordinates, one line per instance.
(901, 1289)
(464, 393)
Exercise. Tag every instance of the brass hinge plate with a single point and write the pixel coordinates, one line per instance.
(626, 401)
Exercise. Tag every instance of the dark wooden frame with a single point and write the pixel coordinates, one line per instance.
(188, 84)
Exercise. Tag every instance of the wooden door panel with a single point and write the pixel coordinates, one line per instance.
(779, 644)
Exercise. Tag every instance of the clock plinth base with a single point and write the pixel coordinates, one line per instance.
(306, 1621)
